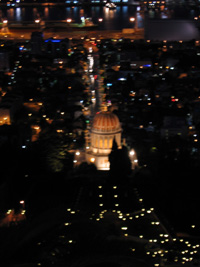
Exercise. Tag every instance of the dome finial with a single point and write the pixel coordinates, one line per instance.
(104, 107)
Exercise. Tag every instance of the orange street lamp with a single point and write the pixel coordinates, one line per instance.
(132, 19)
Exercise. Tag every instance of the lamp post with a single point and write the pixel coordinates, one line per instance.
(100, 20)
(69, 20)
(22, 202)
(133, 158)
(37, 21)
(134, 19)
(5, 26)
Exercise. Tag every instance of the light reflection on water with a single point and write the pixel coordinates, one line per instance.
(120, 14)
(116, 19)
(18, 13)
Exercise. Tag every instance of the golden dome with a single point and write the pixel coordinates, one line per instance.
(106, 122)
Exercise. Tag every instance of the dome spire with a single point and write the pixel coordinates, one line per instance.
(104, 106)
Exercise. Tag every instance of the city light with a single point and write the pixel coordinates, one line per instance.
(92, 160)
(132, 19)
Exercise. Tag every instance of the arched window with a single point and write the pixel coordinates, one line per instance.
(105, 143)
(110, 142)
(96, 143)
(100, 143)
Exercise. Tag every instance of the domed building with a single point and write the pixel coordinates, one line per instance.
(105, 128)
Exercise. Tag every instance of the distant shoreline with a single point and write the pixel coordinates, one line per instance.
(62, 4)
(25, 34)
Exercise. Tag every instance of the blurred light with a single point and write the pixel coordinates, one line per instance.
(132, 19)
(132, 152)
(92, 160)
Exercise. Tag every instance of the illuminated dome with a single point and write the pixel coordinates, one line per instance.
(105, 128)
(106, 122)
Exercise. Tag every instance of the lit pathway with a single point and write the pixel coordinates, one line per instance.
(93, 73)
(141, 227)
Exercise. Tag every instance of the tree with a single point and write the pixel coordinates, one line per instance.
(54, 153)
(120, 164)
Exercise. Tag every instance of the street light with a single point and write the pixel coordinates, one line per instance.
(5, 26)
(92, 160)
(22, 202)
(69, 20)
(37, 21)
(133, 158)
(132, 152)
(132, 19)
